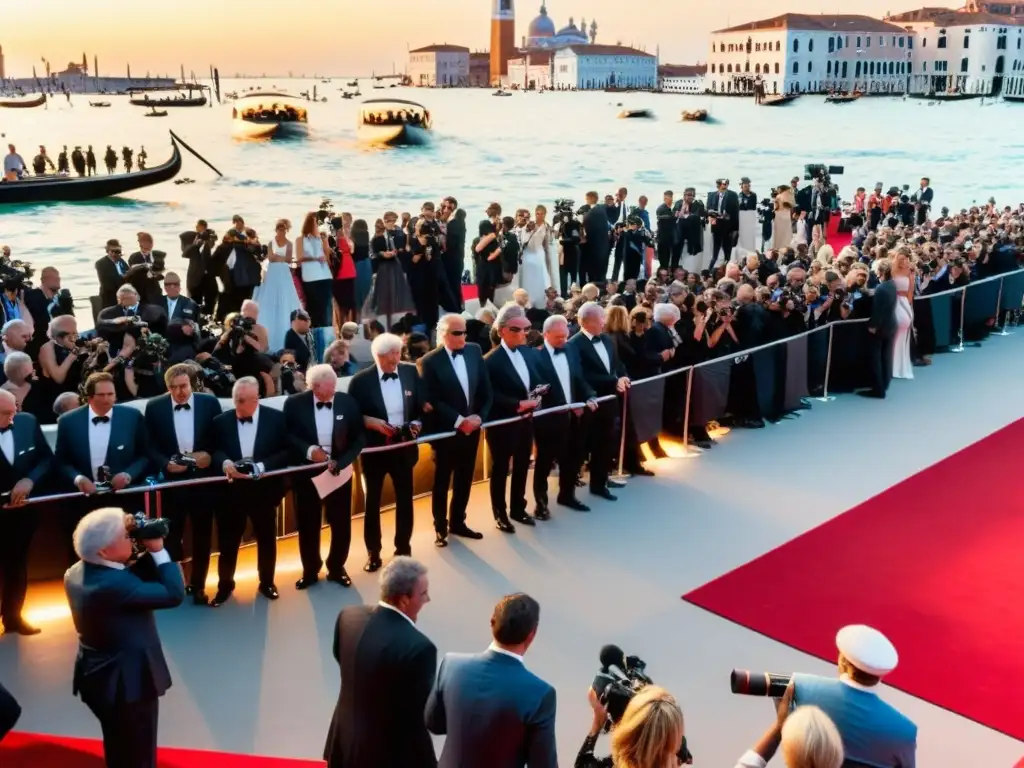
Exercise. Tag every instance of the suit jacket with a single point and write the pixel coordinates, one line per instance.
(198, 260)
(127, 451)
(731, 206)
(163, 441)
(365, 388)
(110, 280)
(595, 225)
(545, 367)
(270, 447)
(441, 387)
(154, 257)
(495, 712)
(597, 376)
(873, 731)
(120, 659)
(506, 386)
(32, 455)
(184, 309)
(349, 434)
(387, 670)
(113, 332)
(10, 711)
(883, 309)
(455, 242)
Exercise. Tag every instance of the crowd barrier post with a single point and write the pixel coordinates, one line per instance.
(825, 396)
(620, 476)
(686, 412)
(1000, 329)
(963, 303)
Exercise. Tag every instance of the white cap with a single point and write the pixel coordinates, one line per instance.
(867, 649)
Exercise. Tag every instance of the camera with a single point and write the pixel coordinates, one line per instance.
(724, 312)
(746, 683)
(404, 434)
(216, 377)
(206, 236)
(839, 294)
(564, 210)
(141, 528)
(103, 478)
(247, 467)
(184, 460)
(61, 304)
(241, 327)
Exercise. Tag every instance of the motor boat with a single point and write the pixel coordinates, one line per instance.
(842, 98)
(501, 92)
(99, 103)
(394, 122)
(695, 116)
(778, 99)
(636, 114)
(265, 115)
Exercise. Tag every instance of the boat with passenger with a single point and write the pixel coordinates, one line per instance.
(265, 115)
(394, 122)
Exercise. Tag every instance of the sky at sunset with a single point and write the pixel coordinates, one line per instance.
(341, 37)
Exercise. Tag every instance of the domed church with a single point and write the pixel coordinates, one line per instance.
(542, 34)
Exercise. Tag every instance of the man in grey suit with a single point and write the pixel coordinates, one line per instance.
(881, 331)
(120, 672)
(494, 711)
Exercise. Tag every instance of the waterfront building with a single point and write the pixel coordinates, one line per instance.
(999, 8)
(435, 65)
(682, 78)
(479, 69)
(973, 53)
(531, 71)
(603, 66)
(541, 32)
(503, 38)
(799, 53)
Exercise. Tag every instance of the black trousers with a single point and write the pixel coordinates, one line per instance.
(569, 269)
(598, 428)
(667, 253)
(721, 239)
(256, 500)
(510, 448)
(879, 352)
(633, 260)
(398, 464)
(129, 732)
(454, 462)
(310, 510)
(556, 444)
(320, 302)
(15, 536)
(195, 505)
(454, 264)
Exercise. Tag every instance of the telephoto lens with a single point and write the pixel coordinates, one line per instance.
(747, 683)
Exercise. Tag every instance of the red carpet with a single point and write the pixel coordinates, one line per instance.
(30, 750)
(934, 563)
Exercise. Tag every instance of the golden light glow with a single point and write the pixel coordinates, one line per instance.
(48, 612)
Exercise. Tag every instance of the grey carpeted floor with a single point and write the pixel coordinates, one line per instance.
(256, 677)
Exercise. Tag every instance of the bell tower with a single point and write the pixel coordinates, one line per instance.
(503, 38)
(1, 62)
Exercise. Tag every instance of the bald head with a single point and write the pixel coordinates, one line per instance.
(745, 294)
(8, 407)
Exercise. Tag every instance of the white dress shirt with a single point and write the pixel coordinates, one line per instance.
(390, 607)
(494, 647)
(394, 398)
(601, 351)
(519, 363)
(171, 304)
(99, 441)
(751, 759)
(459, 366)
(185, 425)
(324, 420)
(247, 438)
(7, 444)
(561, 366)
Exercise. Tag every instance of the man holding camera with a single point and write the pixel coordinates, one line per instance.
(723, 209)
(425, 272)
(120, 672)
(45, 303)
(180, 426)
(111, 271)
(129, 315)
(236, 261)
(569, 238)
(200, 280)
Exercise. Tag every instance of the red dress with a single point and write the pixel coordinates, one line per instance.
(344, 284)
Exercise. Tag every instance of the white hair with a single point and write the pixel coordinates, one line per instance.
(809, 737)
(384, 344)
(127, 288)
(59, 406)
(96, 531)
(442, 326)
(507, 313)
(552, 320)
(56, 323)
(8, 395)
(249, 303)
(484, 312)
(667, 313)
(14, 361)
(334, 345)
(322, 372)
(590, 309)
(398, 578)
(244, 383)
(675, 288)
(12, 325)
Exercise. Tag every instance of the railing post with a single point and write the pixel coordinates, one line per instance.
(1001, 327)
(825, 397)
(621, 475)
(963, 302)
(159, 504)
(686, 412)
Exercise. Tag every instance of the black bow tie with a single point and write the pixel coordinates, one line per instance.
(389, 376)
(100, 419)
(558, 350)
(183, 407)
(245, 419)
(323, 405)
(5, 429)
(595, 339)
(457, 352)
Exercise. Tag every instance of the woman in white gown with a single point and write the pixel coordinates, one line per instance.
(538, 270)
(276, 295)
(782, 230)
(903, 276)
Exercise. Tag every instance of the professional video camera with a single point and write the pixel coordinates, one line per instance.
(241, 326)
(184, 460)
(325, 216)
(17, 272)
(151, 351)
(216, 377)
(141, 528)
(564, 210)
(748, 683)
(824, 173)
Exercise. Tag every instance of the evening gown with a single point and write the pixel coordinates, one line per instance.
(534, 276)
(902, 367)
(390, 295)
(782, 232)
(277, 297)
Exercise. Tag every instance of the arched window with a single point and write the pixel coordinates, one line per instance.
(831, 45)
(892, 67)
(828, 67)
(810, 66)
(844, 70)
(871, 68)
(778, 45)
(757, 69)
(796, 45)
(839, 43)
(776, 67)
(810, 45)
(963, 64)
(857, 70)
(766, 67)
(746, 67)
(712, 69)
(796, 68)
(728, 67)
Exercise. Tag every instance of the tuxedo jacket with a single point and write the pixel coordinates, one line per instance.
(110, 280)
(349, 435)
(507, 387)
(730, 205)
(154, 256)
(365, 388)
(270, 447)
(113, 332)
(696, 217)
(127, 451)
(883, 309)
(163, 440)
(33, 458)
(597, 376)
(185, 309)
(545, 367)
(441, 387)
(198, 260)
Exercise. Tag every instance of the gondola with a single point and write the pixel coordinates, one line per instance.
(38, 102)
(944, 96)
(842, 98)
(778, 99)
(157, 113)
(392, 130)
(636, 114)
(501, 92)
(99, 103)
(199, 101)
(62, 189)
(696, 116)
(1014, 99)
(353, 84)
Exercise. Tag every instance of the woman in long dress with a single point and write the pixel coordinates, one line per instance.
(902, 275)
(390, 295)
(276, 295)
(782, 232)
(535, 273)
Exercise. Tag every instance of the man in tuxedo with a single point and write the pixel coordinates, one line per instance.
(176, 306)
(387, 670)
(323, 425)
(494, 711)
(512, 379)
(25, 459)
(558, 434)
(606, 375)
(454, 256)
(881, 331)
(664, 340)
(112, 323)
(457, 385)
(389, 396)
(110, 270)
(200, 280)
(146, 255)
(250, 439)
(597, 242)
(180, 425)
(723, 209)
(120, 672)
(240, 270)
(690, 217)
(665, 234)
(922, 200)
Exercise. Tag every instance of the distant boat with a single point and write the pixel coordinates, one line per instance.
(778, 99)
(1015, 99)
(842, 98)
(99, 103)
(695, 116)
(24, 104)
(269, 115)
(199, 101)
(353, 84)
(501, 92)
(945, 96)
(636, 114)
(157, 113)
(394, 122)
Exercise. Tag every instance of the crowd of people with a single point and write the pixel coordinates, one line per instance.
(81, 163)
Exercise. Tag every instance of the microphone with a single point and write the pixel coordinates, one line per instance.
(612, 656)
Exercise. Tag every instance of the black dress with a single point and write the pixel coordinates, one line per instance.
(390, 294)
(488, 270)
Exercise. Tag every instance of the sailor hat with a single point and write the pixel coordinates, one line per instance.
(867, 649)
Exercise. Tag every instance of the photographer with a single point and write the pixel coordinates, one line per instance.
(237, 262)
(426, 269)
(22, 383)
(807, 737)
(650, 733)
(46, 302)
(200, 280)
(120, 672)
(12, 302)
(241, 348)
(569, 236)
(114, 322)
(290, 379)
(144, 365)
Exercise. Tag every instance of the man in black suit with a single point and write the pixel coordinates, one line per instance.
(922, 200)
(250, 440)
(389, 396)
(180, 424)
(112, 323)
(606, 375)
(146, 255)
(663, 340)
(457, 386)
(597, 245)
(240, 270)
(453, 258)
(176, 306)
(25, 459)
(200, 280)
(387, 670)
(323, 425)
(120, 672)
(881, 331)
(690, 216)
(558, 434)
(724, 211)
(110, 270)
(512, 379)
(666, 232)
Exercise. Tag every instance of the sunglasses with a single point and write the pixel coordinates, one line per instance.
(516, 329)
(456, 333)
(167, 284)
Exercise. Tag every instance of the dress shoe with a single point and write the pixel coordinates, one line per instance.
(269, 591)
(21, 628)
(220, 598)
(604, 493)
(306, 582)
(576, 504)
(341, 577)
(403, 553)
(523, 518)
(542, 513)
(465, 532)
(614, 484)
(200, 598)
(373, 563)
(503, 525)
(440, 540)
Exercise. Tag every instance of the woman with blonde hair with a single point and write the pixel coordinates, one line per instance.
(903, 276)
(650, 733)
(276, 295)
(806, 735)
(782, 230)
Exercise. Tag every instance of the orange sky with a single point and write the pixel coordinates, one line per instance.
(342, 37)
